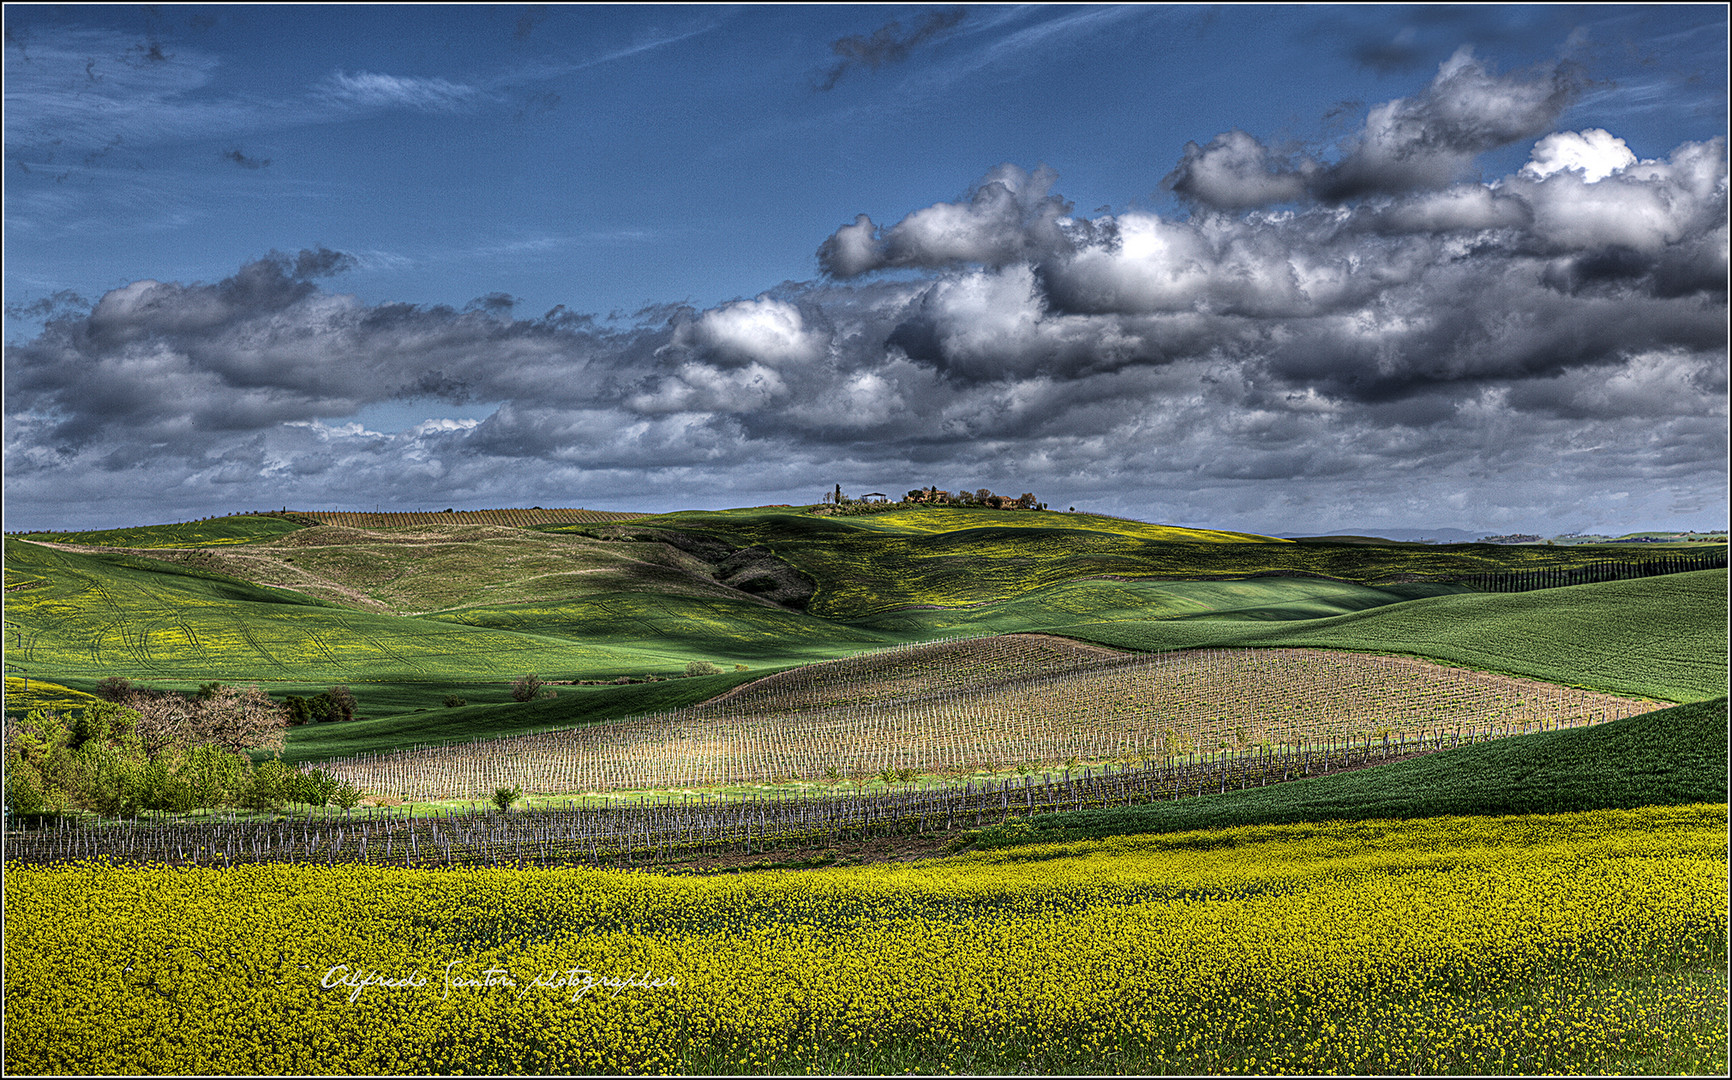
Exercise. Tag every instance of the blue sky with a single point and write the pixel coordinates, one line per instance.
(1278, 268)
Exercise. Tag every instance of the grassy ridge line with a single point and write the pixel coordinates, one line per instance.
(882, 563)
(518, 518)
(1671, 757)
(217, 532)
(942, 519)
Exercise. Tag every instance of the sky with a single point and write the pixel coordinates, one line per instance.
(1285, 269)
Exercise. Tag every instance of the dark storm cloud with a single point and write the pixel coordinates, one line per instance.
(1499, 347)
(1425, 142)
(889, 44)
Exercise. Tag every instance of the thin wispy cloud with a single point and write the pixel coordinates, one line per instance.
(372, 90)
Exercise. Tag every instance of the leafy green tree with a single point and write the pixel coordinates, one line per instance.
(295, 707)
(344, 700)
(217, 776)
(103, 722)
(26, 793)
(269, 787)
(165, 788)
(347, 796)
(312, 788)
(526, 689)
(503, 797)
(110, 780)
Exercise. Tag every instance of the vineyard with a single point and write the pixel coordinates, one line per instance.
(358, 519)
(681, 827)
(996, 703)
(1620, 570)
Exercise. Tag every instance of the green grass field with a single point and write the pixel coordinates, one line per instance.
(409, 615)
(1662, 637)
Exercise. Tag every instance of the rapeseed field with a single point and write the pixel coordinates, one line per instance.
(1531, 944)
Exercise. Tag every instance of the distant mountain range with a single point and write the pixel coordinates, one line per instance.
(1437, 536)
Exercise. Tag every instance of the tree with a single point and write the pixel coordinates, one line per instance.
(526, 688)
(239, 720)
(701, 667)
(344, 700)
(229, 717)
(347, 796)
(503, 797)
(270, 786)
(218, 777)
(114, 688)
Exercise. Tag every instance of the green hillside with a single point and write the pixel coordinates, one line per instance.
(90, 616)
(958, 557)
(215, 532)
(1660, 637)
(408, 615)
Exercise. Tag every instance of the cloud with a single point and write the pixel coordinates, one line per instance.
(888, 44)
(1431, 140)
(1426, 142)
(762, 331)
(1008, 216)
(1236, 172)
(1433, 342)
(366, 90)
(1595, 154)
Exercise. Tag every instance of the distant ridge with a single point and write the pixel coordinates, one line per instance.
(1434, 536)
(361, 519)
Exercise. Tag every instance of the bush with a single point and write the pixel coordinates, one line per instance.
(701, 667)
(347, 796)
(314, 788)
(455, 702)
(297, 709)
(505, 796)
(526, 688)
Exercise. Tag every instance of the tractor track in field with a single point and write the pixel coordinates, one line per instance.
(252, 640)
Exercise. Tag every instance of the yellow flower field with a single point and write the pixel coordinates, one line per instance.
(1522, 944)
